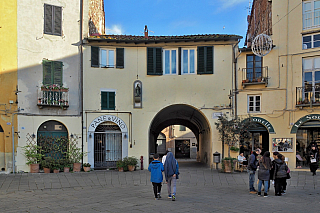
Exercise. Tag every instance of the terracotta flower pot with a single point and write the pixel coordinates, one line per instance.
(34, 168)
(120, 169)
(66, 169)
(46, 170)
(76, 167)
(131, 168)
(86, 168)
(56, 171)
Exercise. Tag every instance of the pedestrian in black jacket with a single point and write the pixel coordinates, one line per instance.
(280, 174)
(314, 163)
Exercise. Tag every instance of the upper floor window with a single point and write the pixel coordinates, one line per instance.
(254, 67)
(254, 103)
(188, 61)
(205, 60)
(52, 19)
(311, 71)
(108, 100)
(52, 72)
(107, 57)
(170, 61)
(311, 14)
(182, 128)
(311, 41)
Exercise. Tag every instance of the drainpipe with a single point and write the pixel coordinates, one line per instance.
(235, 59)
(12, 135)
(81, 75)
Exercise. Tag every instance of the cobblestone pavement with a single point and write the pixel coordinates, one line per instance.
(199, 189)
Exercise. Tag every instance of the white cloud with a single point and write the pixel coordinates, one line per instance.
(231, 3)
(114, 30)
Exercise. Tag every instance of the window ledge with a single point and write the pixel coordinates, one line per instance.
(310, 31)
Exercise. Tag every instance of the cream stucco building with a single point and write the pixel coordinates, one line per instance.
(135, 86)
(281, 89)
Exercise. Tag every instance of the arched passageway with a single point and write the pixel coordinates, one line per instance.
(188, 116)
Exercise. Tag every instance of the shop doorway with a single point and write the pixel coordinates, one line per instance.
(182, 148)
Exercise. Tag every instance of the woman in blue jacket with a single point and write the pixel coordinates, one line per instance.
(156, 169)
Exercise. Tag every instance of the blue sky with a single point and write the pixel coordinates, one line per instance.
(177, 17)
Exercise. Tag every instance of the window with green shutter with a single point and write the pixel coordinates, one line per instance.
(205, 60)
(108, 100)
(154, 61)
(52, 72)
(52, 20)
(107, 57)
(120, 58)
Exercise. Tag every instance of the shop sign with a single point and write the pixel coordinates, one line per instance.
(265, 123)
(302, 120)
(105, 118)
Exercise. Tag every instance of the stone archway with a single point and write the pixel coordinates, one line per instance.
(188, 116)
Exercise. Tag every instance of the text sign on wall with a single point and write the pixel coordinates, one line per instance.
(302, 120)
(105, 118)
(265, 123)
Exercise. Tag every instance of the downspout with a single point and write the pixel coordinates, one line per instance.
(81, 74)
(235, 91)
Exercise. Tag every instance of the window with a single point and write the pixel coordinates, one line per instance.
(107, 58)
(52, 72)
(311, 78)
(254, 67)
(182, 128)
(311, 14)
(311, 41)
(52, 19)
(170, 61)
(154, 61)
(205, 60)
(254, 103)
(188, 61)
(108, 100)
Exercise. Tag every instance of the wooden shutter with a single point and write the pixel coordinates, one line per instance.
(154, 61)
(95, 56)
(205, 60)
(57, 20)
(48, 14)
(57, 72)
(104, 100)
(120, 58)
(108, 100)
(47, 70)
(111, 101)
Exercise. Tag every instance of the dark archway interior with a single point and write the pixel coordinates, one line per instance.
(179, 114)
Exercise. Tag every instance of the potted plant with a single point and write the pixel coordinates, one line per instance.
(75, 154)
(234, 149)
(228, 164)
(65, 165)
(120, 165)
(55, 166)
(86, 167)
(131, 163)
(46, 164)
(32, 152)
(259, 79)
(300, 101)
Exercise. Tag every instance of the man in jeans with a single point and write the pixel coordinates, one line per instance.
(252, 167)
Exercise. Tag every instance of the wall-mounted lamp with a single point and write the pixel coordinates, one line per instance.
(90, 135)
(33, 135)
(125, 136)
(71, 135)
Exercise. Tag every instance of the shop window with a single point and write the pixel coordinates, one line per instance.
(254, 103)
(282, 145)
(107, 57)
(52, 19)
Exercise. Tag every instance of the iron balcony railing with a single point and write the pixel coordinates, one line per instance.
(308, 96)
(256, 75)
(53, 98)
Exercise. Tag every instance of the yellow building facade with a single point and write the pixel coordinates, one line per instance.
(8, 79)
(280, 90)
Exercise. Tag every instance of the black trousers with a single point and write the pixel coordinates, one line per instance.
(156, 189)
(278, 185)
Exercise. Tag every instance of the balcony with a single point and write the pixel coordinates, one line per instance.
(254, 76)
(308, 96)
(53, 97)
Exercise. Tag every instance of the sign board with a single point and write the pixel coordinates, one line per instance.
(216, 115)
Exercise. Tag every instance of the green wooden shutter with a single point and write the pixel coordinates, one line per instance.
(154, 61)
(57, 72)
(111, 101)
(120, 58)
(48, 14)
(104, 100)
(205, 60)
(47, 72)
(95, 56)
(57, 20)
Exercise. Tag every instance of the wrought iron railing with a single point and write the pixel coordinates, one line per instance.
(308, 95)
(53, 97)
(256, 75)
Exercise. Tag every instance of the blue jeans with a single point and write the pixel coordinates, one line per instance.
(251, 179)
(266, 184)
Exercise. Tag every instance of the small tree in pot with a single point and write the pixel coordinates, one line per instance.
(33, 154)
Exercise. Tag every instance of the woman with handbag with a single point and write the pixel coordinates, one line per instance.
(264, 173)
(313, 156)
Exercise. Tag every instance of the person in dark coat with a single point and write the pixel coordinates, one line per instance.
(314, 161)
(280, 174)
(171, 173)
(156, 169)
(264, 173)
(252, 167)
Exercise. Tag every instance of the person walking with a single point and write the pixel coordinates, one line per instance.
(156, 168)
(280, 174)
(264, 173)
(252, 167)
(171, 172)
(314, 161)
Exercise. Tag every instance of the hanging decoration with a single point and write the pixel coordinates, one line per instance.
(261, 45)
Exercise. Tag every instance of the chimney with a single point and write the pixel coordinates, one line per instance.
(146, 31)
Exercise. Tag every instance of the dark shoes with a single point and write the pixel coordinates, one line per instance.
(259, 193)
(265, 195)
